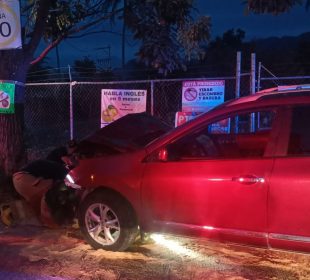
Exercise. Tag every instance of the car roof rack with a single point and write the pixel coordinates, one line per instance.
(275, 92)
(280, 89)
(293, 87)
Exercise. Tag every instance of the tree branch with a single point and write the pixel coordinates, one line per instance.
(95, 32)
(42, 14)
(47, 50)
(70, 32)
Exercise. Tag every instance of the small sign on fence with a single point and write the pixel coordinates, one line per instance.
(183, 117)
(7, 91)
(201, 96)
(116, 103)
(198, 97)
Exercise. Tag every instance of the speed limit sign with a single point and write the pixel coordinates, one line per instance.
(10, 37)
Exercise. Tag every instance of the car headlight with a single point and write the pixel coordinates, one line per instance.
(70, 179)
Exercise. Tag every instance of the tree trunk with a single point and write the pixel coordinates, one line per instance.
(13, 67)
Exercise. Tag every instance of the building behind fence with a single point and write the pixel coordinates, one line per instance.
(56, 112)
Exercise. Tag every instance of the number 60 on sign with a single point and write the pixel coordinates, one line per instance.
(10, 35)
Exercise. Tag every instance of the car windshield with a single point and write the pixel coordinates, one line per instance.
(186, 123)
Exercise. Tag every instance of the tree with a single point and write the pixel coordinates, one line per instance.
(85, 67)
(162, 26)
(167, 32)
(222, 50)
(273, 6)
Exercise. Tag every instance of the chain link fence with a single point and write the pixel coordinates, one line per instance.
(46, 115)
(56, 112)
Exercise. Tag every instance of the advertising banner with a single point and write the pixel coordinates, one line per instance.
(201, 96)
(10, 28)
(7, 91)
(116, 103)
(183, 117)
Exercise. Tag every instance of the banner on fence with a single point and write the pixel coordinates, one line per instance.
(201, 96)
(10, 28)
(116, 103)
(7, 91)
(183, 117)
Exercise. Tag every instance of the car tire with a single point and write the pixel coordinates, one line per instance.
(107, 221)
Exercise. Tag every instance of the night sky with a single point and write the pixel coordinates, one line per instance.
(225, 14)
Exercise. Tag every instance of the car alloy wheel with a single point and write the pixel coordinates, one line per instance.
(102, 224)
(107, 220)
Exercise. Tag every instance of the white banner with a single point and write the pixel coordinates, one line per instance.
(116, 103)
(201, 96)
(10, 28)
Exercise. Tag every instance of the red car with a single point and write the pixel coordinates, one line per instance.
(240, 173)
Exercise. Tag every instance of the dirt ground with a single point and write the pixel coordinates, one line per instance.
(33, 252)
(62, 254)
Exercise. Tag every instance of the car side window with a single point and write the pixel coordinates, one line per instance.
(299, 140)
(239, 136)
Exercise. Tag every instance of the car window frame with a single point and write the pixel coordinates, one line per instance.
(270, 149)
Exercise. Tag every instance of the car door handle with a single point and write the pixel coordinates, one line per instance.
(248, 179)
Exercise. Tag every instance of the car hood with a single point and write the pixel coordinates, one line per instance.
(128, 133)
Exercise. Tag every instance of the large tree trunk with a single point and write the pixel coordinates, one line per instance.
(13, 67)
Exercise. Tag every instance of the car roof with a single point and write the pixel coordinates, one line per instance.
(275, 92)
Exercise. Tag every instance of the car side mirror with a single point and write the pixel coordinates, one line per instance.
(158, 156)
(163, 155)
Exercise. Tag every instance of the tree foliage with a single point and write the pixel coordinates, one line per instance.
(273, 6)
(85, 67)
(165, 29)
(167, 32)
(221, 52)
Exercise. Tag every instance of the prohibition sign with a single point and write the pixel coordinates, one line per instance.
(190, 94)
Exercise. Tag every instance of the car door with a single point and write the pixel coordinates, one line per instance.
(214, 181)
(289, 202)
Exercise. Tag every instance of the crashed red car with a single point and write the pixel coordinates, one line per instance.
(238, 173)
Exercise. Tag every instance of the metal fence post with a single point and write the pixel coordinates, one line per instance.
(238, 75)
(259, 75)
(237, 91)
(253, 73)
(252, 86)
(71, 104)
(152, 97)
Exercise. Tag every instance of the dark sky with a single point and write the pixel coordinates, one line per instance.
(225, 14)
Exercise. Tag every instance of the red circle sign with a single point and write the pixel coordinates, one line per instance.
(190, 94)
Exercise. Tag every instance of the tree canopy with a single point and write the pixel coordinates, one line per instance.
(273, 6)
(166, 29)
